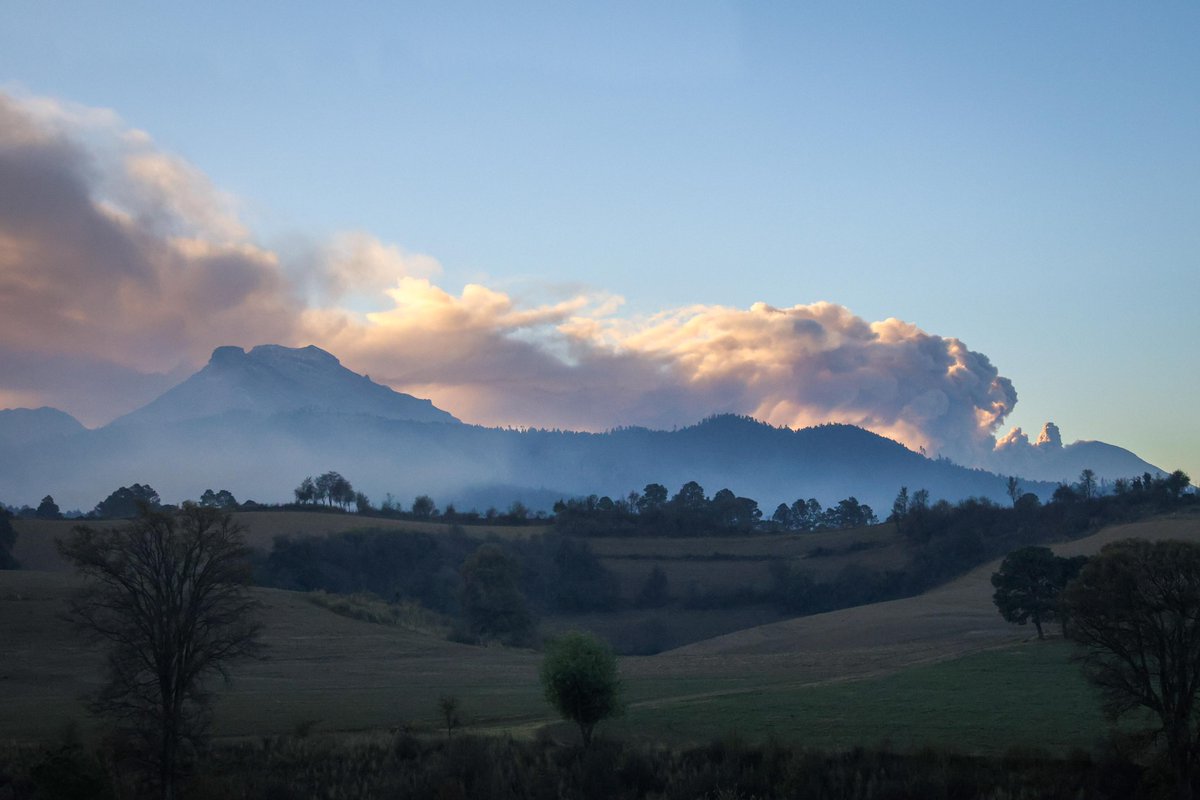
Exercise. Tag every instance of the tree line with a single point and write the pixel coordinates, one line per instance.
(690, 512)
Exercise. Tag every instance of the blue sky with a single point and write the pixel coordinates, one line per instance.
(1024, 177)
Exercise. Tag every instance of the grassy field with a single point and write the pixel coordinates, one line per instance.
(35, 537)
(942, 668)
(1029, 694)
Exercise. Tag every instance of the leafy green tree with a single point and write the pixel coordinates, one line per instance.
(491, 600)
(1027, 586)
(1135, 614)
(48, 509)
(581, 680)
(168, 593)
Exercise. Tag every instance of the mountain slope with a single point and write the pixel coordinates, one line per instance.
(23, 426)
(258, 422)
(1048, 459)
(271, 379)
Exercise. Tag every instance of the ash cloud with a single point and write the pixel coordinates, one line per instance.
(124, 261)
(117, 255)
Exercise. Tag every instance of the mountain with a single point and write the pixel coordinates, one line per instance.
(24, 426)
(1048, 459)
(258, 422)
(271, 379)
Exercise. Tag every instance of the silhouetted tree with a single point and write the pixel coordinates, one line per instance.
(168, 593)
(491, 600)
(807, 515)
(306, 492)
(222, 499)
(581, 681)
(1135, 612)
(423, 507)
(8, 537)
(690, 498)
(48, 509)
(899, 507)
(1176, 483)
(449, 706)
(1013, 487)
(1087, 484)
(655, 591)
(653, 498)
(1027, 586)
(127, 502)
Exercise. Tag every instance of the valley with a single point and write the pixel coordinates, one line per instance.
(930, 669)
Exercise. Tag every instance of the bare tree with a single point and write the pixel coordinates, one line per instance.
(168, 593)
(1135, 612)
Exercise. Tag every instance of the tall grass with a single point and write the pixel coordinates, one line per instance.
(367, 607)
(402, 765)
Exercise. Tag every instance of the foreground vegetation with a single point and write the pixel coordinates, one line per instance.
(402, 765)
(971, 711)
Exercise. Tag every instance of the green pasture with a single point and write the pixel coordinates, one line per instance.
(1030, 695)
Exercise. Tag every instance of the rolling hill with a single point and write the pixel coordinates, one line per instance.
(353, 675)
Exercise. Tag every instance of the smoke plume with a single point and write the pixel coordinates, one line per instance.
(124, 265)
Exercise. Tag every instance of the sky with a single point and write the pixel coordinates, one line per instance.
(937, 220)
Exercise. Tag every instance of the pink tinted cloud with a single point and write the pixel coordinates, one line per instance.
(122, 261)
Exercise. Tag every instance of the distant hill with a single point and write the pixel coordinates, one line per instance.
(264, 457)
(1047, 459)
(258, 422)
(271, 379)
(22, 426)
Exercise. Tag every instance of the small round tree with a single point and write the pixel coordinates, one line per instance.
(1027, 586)
(579, 676)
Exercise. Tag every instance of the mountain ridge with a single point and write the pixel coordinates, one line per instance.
(272, 378)
(257, 422)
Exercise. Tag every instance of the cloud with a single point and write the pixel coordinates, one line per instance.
(116, 254)
(123, 261)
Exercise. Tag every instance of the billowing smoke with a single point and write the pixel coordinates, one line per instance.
(113, 254)
(119, 260)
